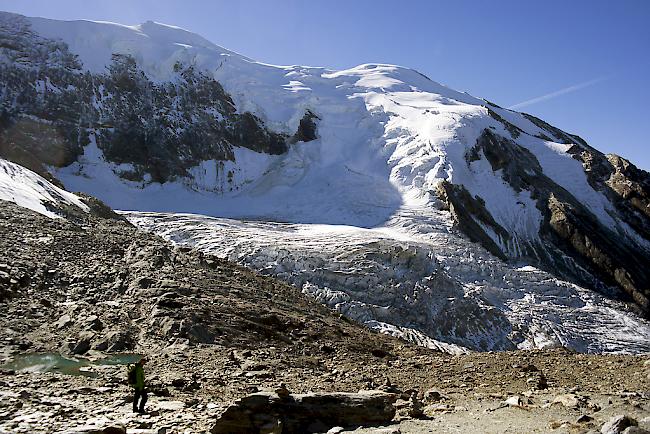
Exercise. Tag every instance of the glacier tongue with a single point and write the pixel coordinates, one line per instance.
(416, 278)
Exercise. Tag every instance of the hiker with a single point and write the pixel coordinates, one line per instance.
(136, 380)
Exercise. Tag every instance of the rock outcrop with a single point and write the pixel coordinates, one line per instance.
(305, 413)
(50, 109)
(571, 240)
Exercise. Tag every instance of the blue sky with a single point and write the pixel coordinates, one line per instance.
(582, 65)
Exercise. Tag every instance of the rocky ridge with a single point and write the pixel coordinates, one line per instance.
(574, 242)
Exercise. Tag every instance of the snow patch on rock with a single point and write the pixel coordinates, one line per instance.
(29, 190)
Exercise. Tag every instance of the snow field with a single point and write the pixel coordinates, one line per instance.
(29, 190)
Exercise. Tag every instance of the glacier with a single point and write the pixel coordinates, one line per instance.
(355, 217)
(416, 278)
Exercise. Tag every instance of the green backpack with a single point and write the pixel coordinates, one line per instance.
(131, 374)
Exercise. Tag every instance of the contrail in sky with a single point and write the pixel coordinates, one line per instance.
(558, 93)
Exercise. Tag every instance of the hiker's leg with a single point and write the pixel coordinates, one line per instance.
(136, 397)
(143, 400)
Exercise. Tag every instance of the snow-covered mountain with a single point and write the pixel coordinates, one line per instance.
(155, 118)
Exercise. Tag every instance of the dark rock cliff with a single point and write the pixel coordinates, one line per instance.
(572, 242)
(50, 108)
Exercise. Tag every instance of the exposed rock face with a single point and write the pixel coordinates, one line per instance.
(571, 240)
(469, 213)
(618, 424)
(600, 250)
(98, 208)
(306, 128)
(626, 186)
(50, 108)
(312, 412)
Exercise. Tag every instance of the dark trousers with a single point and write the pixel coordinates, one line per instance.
(139, 395)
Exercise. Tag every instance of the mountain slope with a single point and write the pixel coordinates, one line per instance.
(366, 147)
(29, 190)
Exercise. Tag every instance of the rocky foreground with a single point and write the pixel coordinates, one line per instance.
(91, 286)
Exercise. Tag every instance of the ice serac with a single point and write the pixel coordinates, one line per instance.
(154, 118)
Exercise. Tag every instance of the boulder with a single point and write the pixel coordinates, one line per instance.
(585, 418)
(306, 413)
(179, 383)
(433, 395)
(282, 391)
(63, 321)
(82, 344)
(568, 400)
(170, 300)
(111, 429)
(515, 401)
(195, 332)
(93, 323)
(617, 424)
(635, 430)
(119, 340)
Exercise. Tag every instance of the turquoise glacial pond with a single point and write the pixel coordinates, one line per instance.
(53, 362)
